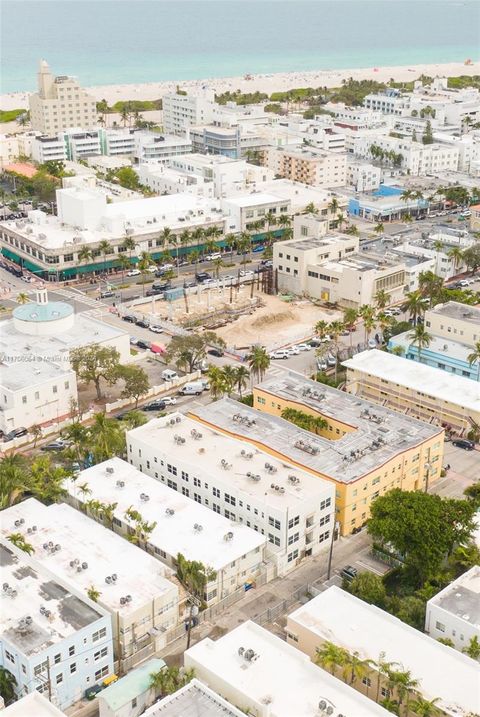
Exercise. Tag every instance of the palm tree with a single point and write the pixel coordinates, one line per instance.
(144, 264)
(47, 479)
(430, 286)
(382, 299)
(258, 361)
(84, 255)
(134, 419)
(124, 115)
(123, 263)
(230, 241)
(7, 685)
(106, 439)
(18, 540)
(169, 239)
(357, 667)
(170, 679)
(194, 576)
(321, 329)
(335, 329)
(244, 245)
(104, 248)
(330, 657)
(22, 298)
(84, 489)
(414, 305)
(129, 244)
(350, 317)
(242, 375)
(310, 209)
(420, 338)
(473, 648)
(333, 205)
(36, 432)
(368, 315)
(379, 228)
(475, 357)
(93, 593)
(424, 708)
(217, 265)
(404, 684)
(229, 377)
(14, 479)
(77, 434)
(456, 254)
(217, 381)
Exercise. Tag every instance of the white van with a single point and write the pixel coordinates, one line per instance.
(169, 375)
(194, 388)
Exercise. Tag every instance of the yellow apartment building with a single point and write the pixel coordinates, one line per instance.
(365, 449)
(416, 390)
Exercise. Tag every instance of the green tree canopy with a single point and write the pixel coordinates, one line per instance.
(136, 383)
(187, 351)
(93, 363)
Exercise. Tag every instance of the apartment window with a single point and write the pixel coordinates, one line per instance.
(293, 538)
(385, 692)
(292, 556)
(325, 503)
(185, 476)
(185, 491)
(55, 389)
(59, 678)
(172, 469)
(274, 522)
(42, 688)
(196, 482)
(325, 520)
(73, 668)
(38, 669)
(67, 385)
(99, 634)
(197, 497)
(440, 626)
(216, 492)
(367, 681)
(216, 508)
(171, 484)
(101, 673)
(57, 658)
(323, 536)
(292, 521)
(274, 539)
(24, 399)
(71, 650)
(229, 515)
(37, 395)
(9, 657)
(100, 653)
(230, 499)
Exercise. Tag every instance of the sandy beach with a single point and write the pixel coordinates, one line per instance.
(267, 83)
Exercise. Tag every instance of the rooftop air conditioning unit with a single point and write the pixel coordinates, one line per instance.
(120, 484)
(144, 497)
(198, 528)
(169, 511)
(109, 470)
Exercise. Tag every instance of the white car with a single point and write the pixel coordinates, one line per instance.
(331, 360)
(169, 400)
(28, 279)
(303, 347)
(166, 267)
(293, 350)
(156, 329)
(134, 272)
(322, 365)
(280, 354)
(152, 268)
(244, 273)
(372, 344)
(212, 257)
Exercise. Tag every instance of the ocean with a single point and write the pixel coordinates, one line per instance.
(134, 41)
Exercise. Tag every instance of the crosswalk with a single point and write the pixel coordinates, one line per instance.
(77, 296)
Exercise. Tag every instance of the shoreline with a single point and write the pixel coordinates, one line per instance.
(268, 83)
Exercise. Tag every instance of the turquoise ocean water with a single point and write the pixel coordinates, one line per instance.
(129, 41)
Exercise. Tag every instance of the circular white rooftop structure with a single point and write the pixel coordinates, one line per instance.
(42, 318)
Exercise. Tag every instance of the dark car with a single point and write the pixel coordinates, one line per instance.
(266, 262)
(349, 572)
(202, 276)
(189, 284)
(154, 292)
(143, 344)
(142, 323)
(16, 433)
(130, 318)
(216, 352)
(163, 286)
(464, 443)
(57, 445)
(160, 272)
(154, 406)
(91, 692)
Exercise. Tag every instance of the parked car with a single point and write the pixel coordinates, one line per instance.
(143, 344)
(246, 272)
(16, 433)
(194, 388)
(294, 351)
(280, 354)
(57, 445)
(202, 276)
(161, 286)
(169, 400)
(372, 344)
(156, 329)
(133, 272)
(322, 365)
(212, 257)
(215, 352)
(157, 405)
(107, 294)
(349, 572)
(143, 323)
(91, 692)
(266, 262)
(130, 318)
(303, 347)
(464, 443)
(331, 360)
(133, 341)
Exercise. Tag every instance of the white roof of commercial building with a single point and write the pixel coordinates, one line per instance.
(462, 597)
(84, 540)
(281, 681)
(438, 345)
(253, 199)
(456, 310)
(299, 194)
(29, 586)
(359, 627)
(33, 705)
(193, 700)
(246, 468)
(174, 533)
(17, 373)
(417, 376)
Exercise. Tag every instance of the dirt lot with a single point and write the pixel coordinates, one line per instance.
(277, 323)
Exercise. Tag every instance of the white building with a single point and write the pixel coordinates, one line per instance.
(48, 148)
(60, 103)
(53, 639)
(256, 670)
(454, 612)
(308, 165)
(456, 321)
(193, 699)
(242, 211)
(132, 694)
(33, 704)
(337, 616)
(88, 557)
(389, 102)
(416, 158)
(294, 510)
(38, 381)
(159, 148)
(182, 525)
(363, 176)
(181, 111)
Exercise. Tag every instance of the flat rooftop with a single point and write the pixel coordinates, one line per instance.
(361, 262)
(380, 434)
(428, 380)
(438, 345)
(84, 540)
(316, 243)
(252, 199)
(176, 516)
(279, 675)
(244, 468)
(17, 373)
(455, 310)
(357, 626)
(299, 194)
(462, 597)
(33, 705)
(194, 700)
(131, 685)
(31, 587)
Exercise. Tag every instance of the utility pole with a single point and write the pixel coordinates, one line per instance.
(49, 681)
(336, 526)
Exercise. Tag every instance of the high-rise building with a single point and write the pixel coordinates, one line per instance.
(60, 103)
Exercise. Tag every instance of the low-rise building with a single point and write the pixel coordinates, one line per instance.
(308, 165)
(416, 158)
(259, 672)
(384, 205)
(180, 524)
(193, 699)
(454, 612)
(33, 704)
(475, 217)
(445, 354)
(159, 148)
(364, 449)
(294, 510)
(132, 694)
(444, 675)
(363, 176)
(242, 211)
(426, 393)
(54, 640)
(234, 141)
(456, 321)
(390, 102)
(135, 589)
